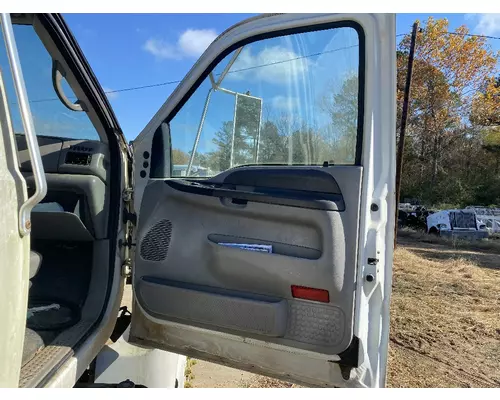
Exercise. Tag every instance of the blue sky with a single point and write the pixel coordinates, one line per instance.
(128, 50)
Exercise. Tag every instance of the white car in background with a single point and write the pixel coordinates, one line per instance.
(456, 224)
(489, 216)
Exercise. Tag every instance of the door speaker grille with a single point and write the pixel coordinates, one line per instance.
(154, 245)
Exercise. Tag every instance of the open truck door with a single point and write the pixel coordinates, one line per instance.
(280, 262)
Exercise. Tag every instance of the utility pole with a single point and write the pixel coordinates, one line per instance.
(404, 118)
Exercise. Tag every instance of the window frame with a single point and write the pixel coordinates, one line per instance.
(158, 158)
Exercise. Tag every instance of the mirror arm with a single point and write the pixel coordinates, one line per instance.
(216, 87)
(212, 80)
(228, 66)
(198, 133)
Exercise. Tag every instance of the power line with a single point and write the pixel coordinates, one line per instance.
(112, 91)
(142, 87)
(230, 72)
(293, 59)
(458, 34)
(133, 88)
(473, 35)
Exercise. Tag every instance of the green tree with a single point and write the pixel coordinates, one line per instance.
(246, 131)
(248, 114)
(342, 107)
(179, 157)
(220, 158)
(273, 146)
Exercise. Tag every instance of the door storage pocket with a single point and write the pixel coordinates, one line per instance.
(265, 246)
(232, 310)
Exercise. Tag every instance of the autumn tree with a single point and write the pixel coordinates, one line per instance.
(486, 103)
(449, 70)
(486, 114)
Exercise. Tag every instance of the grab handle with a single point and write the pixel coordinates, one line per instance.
(29, 128)
(58, 75)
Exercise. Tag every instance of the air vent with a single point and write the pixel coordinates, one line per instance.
(154, 245)
(74, 158)
(84, 149)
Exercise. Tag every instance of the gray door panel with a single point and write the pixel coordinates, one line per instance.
(183, 274)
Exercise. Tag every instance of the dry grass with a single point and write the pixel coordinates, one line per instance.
(445, 319)
(188, 372)
(265, 382)
(490, 244)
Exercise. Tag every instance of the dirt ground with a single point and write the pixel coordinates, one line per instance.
(445, 322)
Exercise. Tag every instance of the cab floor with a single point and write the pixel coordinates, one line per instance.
(63, 278)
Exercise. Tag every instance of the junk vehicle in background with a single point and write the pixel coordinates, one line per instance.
(462, 224)
(488, 216)
(181, 171)
(413, 216)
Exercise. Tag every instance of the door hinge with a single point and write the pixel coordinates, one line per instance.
(127, 268)
(129, 217)
(126, 243)
(127, 195)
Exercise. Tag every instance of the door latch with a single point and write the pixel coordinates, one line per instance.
(371, 269)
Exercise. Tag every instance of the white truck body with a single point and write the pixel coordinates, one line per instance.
(456, 224)
(490, 217)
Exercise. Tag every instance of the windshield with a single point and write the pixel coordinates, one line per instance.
(51, 117)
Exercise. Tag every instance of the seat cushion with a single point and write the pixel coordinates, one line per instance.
(35, 262)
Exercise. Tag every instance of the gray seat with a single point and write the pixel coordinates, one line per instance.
(35, 263)
(33, 342)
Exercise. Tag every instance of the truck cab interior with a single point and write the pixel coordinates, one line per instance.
(71, 230)
(266, 254)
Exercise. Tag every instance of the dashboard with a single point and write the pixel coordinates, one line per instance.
(77, 174)
(67, 156)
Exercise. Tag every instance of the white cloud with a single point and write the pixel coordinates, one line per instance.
(191, 43)
(274, 64)
(109, 92)
(161, 49)
(283, 103)
(488, 24)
